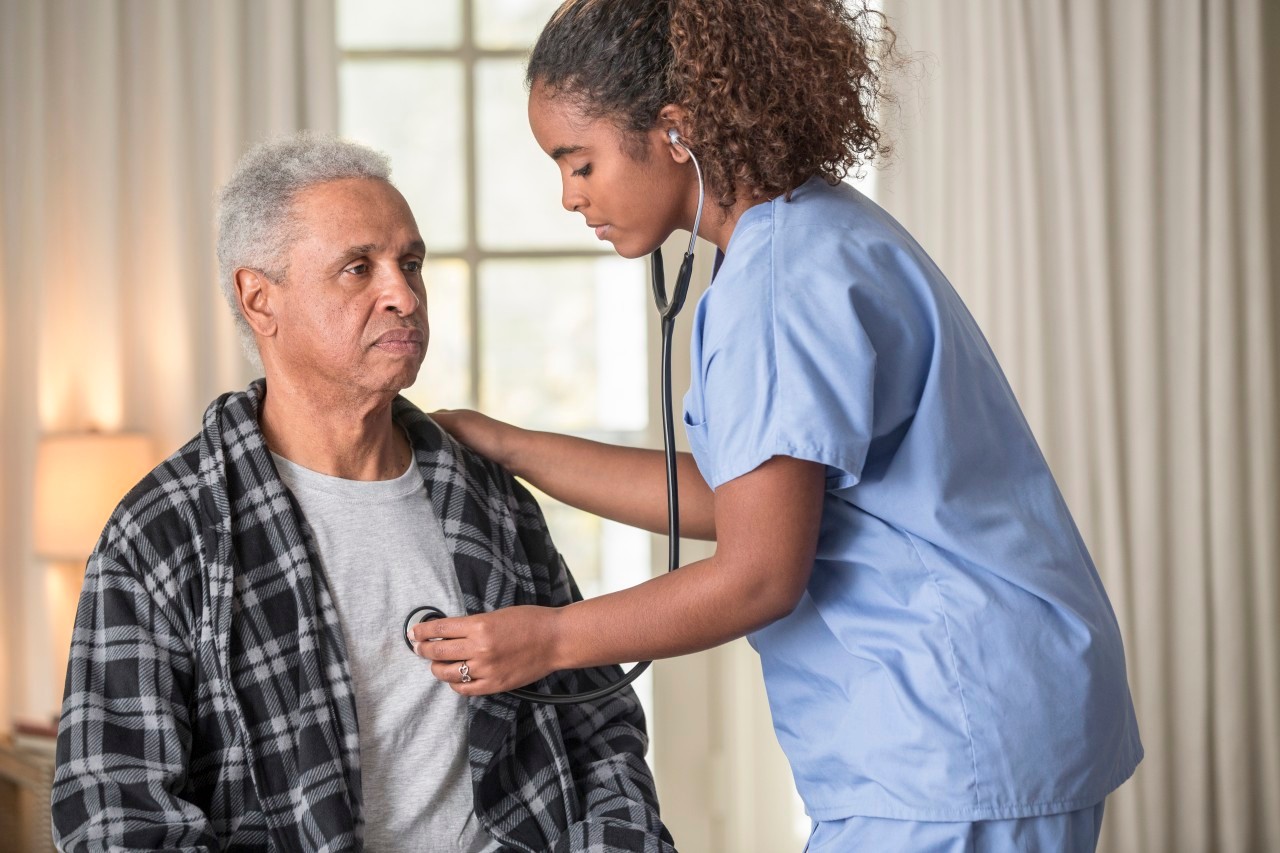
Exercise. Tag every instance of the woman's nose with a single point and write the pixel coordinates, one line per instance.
(571, 199)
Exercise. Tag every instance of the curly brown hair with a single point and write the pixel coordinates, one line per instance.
(776, 92)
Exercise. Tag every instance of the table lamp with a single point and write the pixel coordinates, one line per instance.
(80, 477)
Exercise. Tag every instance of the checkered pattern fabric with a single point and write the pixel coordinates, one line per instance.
(209, 704)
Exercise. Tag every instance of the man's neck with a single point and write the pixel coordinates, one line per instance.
(345, 435)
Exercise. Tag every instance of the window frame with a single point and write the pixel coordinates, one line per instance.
(468, 54)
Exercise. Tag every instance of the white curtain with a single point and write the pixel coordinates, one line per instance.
(1092, 176)
(118, 122)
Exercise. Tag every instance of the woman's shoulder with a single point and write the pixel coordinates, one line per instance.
(819, 214)
(828, 245)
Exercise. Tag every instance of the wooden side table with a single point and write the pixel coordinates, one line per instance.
(26, 777)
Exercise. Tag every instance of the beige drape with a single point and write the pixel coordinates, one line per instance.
(118, 121)
(1093, 176)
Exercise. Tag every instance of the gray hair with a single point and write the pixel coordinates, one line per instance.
(255, 205)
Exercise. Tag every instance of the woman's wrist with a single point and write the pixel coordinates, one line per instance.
(511, 449)
(560, 639)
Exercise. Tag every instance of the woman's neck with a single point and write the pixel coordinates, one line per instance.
(718, 223)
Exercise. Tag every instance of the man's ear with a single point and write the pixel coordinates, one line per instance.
(254, 292)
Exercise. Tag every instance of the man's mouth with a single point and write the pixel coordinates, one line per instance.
(401, 341)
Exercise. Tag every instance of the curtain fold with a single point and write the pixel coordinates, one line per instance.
(1092, 176)
(118, 122)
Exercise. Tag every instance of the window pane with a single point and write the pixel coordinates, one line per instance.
(563, 343)
(412, 111)
(391, 24)
(507, 24)
(603, 556)
(445, 379)
(519, 203)
(577, 537)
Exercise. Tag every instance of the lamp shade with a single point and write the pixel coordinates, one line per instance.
(80, 477)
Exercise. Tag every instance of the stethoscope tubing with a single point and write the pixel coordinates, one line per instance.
(668, 308)
(673, 527)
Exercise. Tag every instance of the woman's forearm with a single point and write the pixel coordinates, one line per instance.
(768, 522)
(697, 607)
(625, 484)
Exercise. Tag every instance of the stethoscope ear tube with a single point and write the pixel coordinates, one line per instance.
(669, 308)
(668, 311)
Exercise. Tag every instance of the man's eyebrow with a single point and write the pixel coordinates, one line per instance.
(565, 149)
(415, 247)
(356, 251)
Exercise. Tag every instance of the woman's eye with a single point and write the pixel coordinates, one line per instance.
(581, 173)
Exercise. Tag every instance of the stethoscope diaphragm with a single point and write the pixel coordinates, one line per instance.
(418, 615)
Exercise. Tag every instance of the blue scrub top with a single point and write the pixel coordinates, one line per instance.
(955, 656)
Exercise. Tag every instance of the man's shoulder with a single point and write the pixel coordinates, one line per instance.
(174, 479)
(161, 515)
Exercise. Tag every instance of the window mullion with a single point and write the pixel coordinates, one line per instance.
(472, 250)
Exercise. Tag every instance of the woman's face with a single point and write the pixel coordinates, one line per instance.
(633, 190)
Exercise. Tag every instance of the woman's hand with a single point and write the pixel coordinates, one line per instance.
(502, 650)
(585, 474)
(483, 434)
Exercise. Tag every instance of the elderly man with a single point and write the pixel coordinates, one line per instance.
(239, 677)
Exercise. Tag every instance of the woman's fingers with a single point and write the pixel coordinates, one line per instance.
(452, 671)
(481, 433)
(447, 628)
(441, 650)
(502, 650)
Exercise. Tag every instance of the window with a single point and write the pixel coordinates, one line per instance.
(533, 321)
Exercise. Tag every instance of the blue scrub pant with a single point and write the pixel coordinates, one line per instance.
(1069, 832)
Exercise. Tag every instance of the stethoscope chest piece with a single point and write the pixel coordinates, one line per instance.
(417, 616)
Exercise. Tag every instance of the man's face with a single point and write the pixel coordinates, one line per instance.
(351, 313)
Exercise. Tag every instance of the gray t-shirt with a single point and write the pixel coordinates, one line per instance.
(383, 552)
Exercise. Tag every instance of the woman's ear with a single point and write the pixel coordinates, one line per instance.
(254, 295)
(672, 122)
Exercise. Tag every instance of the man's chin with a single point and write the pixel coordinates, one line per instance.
(390, 381)
(406, 380)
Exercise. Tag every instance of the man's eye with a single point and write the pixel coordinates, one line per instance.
(411, 266)
(581, 173)
(357, 269)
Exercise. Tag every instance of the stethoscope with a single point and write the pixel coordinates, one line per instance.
(668, 308)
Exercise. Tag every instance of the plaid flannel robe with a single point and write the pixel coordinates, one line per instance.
(209, 704)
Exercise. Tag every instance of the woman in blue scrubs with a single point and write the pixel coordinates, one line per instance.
(944, 669)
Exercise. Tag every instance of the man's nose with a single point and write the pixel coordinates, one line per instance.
(399, 296)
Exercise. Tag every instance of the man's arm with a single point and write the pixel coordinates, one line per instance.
(124, 736)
